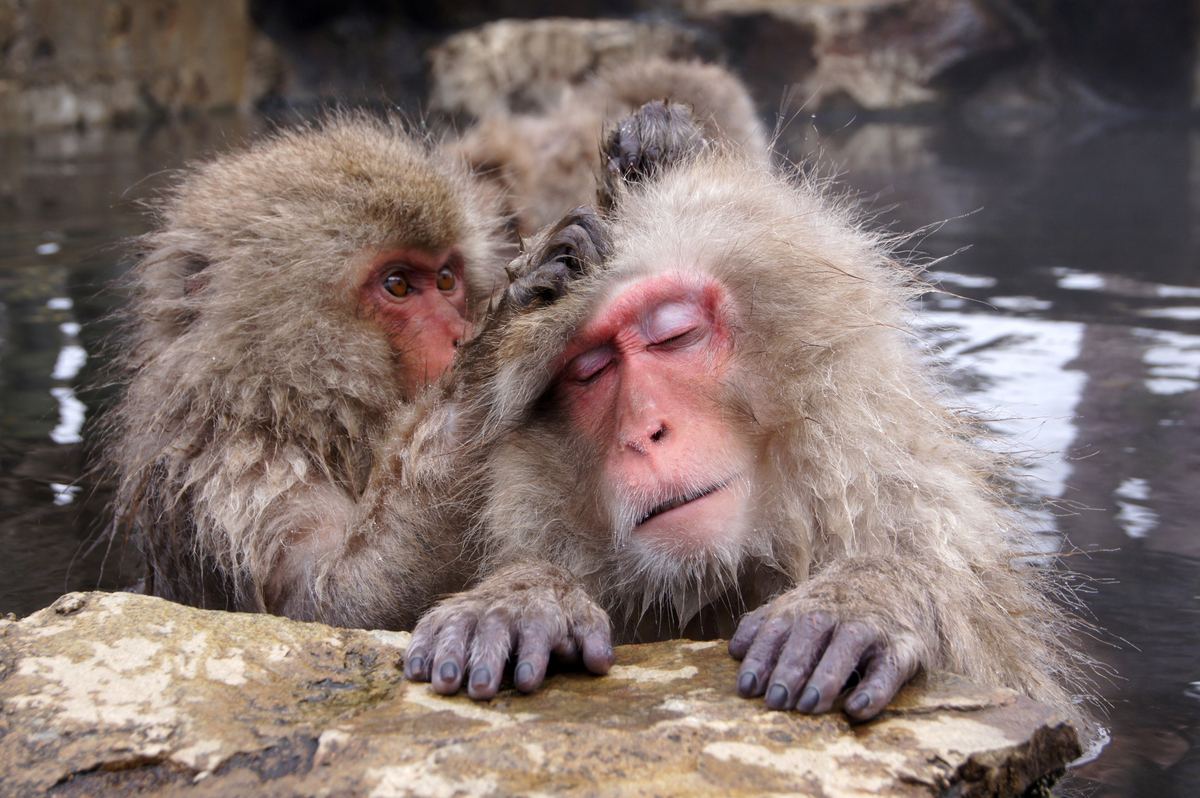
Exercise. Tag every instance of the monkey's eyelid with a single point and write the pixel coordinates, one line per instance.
(673, 321)
(586, 366)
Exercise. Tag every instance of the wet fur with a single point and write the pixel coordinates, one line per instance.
(876, 503)
(543, 163)
(258, 445)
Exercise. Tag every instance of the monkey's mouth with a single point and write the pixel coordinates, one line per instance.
(679, 501)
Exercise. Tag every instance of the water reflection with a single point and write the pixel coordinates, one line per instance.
(1073, 305)
(1069, 312)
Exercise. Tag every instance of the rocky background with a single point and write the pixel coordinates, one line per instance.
(998, 62)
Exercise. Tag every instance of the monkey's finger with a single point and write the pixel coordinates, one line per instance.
(850, 643)
(533, 657)
(591, 631)
(806, 642)
(450, 653)
(747, 630)
(763, 654)
(416, 659)
(596, 648)
(494, 637)
(884, 677)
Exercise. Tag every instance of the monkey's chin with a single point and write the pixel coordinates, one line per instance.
(702, 527)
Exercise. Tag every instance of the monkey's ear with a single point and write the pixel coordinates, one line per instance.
(576, 245)
(652, 138)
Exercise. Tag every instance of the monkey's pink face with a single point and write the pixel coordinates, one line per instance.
(421, 302)
(643, 380)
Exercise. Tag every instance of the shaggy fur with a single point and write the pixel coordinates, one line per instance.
(541, 164)
(258, 443)
(873, 502)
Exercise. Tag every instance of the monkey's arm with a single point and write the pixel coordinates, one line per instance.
(316, 552)
(535, 608)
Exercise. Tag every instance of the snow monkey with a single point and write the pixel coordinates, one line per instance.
(291, 305)
(295, 300)
(543, 164)
(714, 421)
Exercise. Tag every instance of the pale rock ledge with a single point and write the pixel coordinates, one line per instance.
(131, 695)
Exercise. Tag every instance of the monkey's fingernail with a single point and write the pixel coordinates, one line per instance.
(857, 703)
(523, 674)
(448, 672)
(777, 697)
(415, 666)
(809, 699)
(746, 684)
(481, 677)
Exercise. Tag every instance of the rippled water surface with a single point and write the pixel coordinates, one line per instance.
(1070, 310)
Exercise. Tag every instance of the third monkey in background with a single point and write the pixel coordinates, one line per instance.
(724, 427)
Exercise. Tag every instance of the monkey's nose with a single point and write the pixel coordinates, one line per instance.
(641, 443)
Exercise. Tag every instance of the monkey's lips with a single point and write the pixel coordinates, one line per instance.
(681, 501)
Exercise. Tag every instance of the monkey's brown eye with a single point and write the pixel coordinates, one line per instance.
(446, 281)
(396, 284)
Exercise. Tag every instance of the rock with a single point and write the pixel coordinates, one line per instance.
(524, 65)
(127, 694)
(67, 64)
(872, 54)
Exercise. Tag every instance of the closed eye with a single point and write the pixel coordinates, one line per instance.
(682, 339)
(674, 323)
(586, 366)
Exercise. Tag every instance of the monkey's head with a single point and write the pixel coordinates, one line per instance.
(343, 259)
(690, 379)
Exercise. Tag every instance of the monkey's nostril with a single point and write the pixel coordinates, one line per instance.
(660, 434)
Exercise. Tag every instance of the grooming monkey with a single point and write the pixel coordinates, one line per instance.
(715, 422)
(295, 299)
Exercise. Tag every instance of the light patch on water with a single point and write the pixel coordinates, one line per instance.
(1072, 280)
(64, 494)
(1134, 489)
(70, 360)
(1179, 314)
(1177, 290)
(60, 303)
(1136, 519)
(71, 413)
(1024, 383)
(49, 248)
(1173, 359)
(963, 280)
(1020, 304)
(945, 301)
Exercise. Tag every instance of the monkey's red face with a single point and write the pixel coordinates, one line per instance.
(644, 380)
(421, 302)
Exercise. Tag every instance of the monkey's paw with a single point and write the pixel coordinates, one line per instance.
(651, 138)
(803, 658)
(575, 245)
(538, 610)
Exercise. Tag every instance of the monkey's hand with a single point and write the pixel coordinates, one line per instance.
(537, 609)
(576, 244)
(650, 139)
(803, 653)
